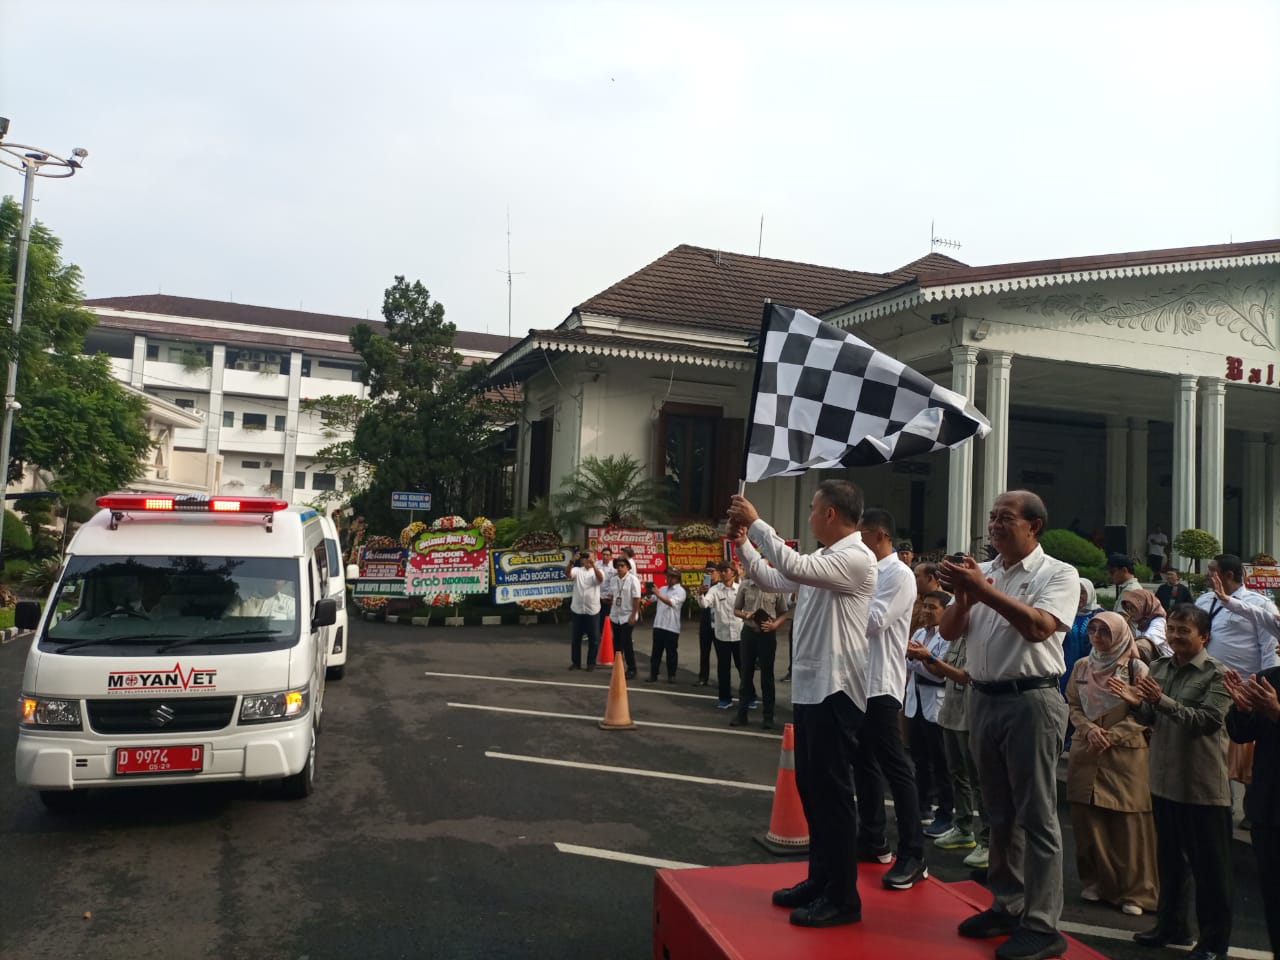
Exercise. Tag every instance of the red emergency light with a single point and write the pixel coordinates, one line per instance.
(191, 503)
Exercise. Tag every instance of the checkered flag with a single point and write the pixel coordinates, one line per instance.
(825, 399)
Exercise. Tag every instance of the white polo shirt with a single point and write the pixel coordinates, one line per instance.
(586, 591)
(668, 617)
(996, 651)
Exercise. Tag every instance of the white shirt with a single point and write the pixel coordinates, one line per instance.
(888, 627)
(1156, 542)
(607, 586)
(1242, 634)
(996, 650)
(833, 590)
(626, 596)
(1155, 632)
(668, 617)
(720, 599)
(586, 591)
(927, 696)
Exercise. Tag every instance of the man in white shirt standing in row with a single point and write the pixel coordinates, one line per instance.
(881, 755)
(833, 590)
(585, 608)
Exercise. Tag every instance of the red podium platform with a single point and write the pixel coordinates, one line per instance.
(724, 913)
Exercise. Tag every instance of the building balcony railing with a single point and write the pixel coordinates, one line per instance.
(249, 383)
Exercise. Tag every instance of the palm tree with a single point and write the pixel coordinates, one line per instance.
(612, 491)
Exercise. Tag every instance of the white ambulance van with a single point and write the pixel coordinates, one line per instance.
(185, 642)
(338, 639)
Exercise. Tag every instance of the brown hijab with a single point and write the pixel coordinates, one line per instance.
(1111, 655)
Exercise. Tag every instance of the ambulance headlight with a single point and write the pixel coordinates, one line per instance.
(265, 707)
(48, 712)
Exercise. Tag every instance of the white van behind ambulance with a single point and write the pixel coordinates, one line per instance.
(184, 642)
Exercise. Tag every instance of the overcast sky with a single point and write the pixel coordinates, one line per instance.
(296, 154)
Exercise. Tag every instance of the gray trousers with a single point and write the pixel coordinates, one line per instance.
(965, 785)
(1016, 740)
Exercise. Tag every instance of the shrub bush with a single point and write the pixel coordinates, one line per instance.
(1144, 573)
(1196, 545)
(1095, 575)
(16, 536)
(505, 531)
(1071, 548)
(41, 576)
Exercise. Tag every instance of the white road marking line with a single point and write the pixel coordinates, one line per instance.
(1111, 933)
(565, 683)
(625, 857)
(731, 731)
(633, 771)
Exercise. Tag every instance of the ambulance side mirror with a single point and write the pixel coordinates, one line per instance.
(26, 615)
(325, 614)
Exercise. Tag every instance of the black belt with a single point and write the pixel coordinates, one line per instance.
(930, 683)
(999, 687)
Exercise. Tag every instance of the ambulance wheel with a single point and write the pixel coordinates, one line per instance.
(335, 673)
(62, 801)
(302, 783)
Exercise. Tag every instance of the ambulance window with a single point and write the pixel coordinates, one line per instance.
(322, 563)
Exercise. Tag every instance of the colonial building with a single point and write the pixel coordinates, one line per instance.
(241, 373)
(1131, 391)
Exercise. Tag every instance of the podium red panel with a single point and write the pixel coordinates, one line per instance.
(724, 913)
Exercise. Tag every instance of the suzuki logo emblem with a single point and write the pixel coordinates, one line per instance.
(162, 714)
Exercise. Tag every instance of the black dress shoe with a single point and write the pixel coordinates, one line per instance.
(650, 679)
(1032, 945)
(739, 720)
(801, 895)
(988, 923)
(823, 913)
(574, 666)
(1156, 937)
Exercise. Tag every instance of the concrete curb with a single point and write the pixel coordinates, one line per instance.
(9, 634)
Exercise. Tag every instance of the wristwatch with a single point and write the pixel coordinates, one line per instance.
(930, 659)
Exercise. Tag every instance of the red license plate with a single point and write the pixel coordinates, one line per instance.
(184, 758)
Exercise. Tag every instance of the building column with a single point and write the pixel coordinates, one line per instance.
(1254, 506)
(995, 459)
(1115, 495)
(1184, 456)
(139, 361)
(291, 426)
(213, 426)
(1272, 528)
(1137, 518)
(1212, 440)
(964, 369)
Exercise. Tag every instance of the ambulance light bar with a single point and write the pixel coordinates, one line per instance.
(121, 503)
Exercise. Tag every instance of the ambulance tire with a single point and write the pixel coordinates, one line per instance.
(303, 783)
(62, 801)
(335, 673)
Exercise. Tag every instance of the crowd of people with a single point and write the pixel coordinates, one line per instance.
(1164, 706)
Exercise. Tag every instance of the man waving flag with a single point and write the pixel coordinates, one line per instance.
(824, 398)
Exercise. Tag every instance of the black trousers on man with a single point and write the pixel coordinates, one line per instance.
(728, 656)
(758, 649)
(1194, 840)
(622, 645)
(588, 623)
(1266, 847)
(706, 640)
(826, 738)
(664, 641)
(929, 755)
(880, 756)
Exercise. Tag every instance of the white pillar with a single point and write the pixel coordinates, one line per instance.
(291, 426)
(995, 460)
(213, 426)
(1253, 509)
(1137, 517)
(139, 361)
(964, 368)
(1115, 495)
(1212, 437)
(1272, 528)
(1184, 456)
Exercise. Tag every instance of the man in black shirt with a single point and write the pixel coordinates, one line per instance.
(1171, 592)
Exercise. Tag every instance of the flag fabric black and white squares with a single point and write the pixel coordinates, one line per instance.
(825, 399)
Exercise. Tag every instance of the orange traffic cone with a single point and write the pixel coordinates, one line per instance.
(617, 715)
(606, 644)
(788, 829)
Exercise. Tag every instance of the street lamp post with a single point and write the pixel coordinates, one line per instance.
(31, 162)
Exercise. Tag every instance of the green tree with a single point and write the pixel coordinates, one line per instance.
(341, 415)
(1196, 545)
(76, 421)
(430, 425)
(613, 490)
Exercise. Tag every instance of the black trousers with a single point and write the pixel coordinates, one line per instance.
(826, 737)
(1266, 847)
(929, 754)
(758, 649)
(880, 756)
(727, 654)
(706, 640)
(588, 623)
(622, 644)
(664, 641)
(1193, 840)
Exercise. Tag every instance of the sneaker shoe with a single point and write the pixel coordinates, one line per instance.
(1089, 893)
(1131, 909)
(937, 827)
(874, 854)
(1032, 945)
(988, 923)
(905, 873)
(956, 839)
(823, 913)
(978, 858)
(753, 705)
(724, 704)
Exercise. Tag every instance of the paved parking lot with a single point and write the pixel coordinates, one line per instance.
(467, 805)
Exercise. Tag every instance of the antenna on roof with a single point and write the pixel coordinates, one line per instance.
(508, 272)
(936, 241)
(760, 242)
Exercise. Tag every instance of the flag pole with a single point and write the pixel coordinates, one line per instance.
(765, 316)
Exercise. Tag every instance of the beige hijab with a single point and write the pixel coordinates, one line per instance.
(1110, 656)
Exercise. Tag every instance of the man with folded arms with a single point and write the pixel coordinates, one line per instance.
(1015, 610)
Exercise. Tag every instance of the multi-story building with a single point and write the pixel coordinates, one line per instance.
(244, 371)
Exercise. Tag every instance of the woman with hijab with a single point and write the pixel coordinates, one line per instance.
(1146, 618)
(1108, 776)
(1076, 643)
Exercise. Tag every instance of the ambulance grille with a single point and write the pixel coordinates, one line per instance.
(161, 715)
